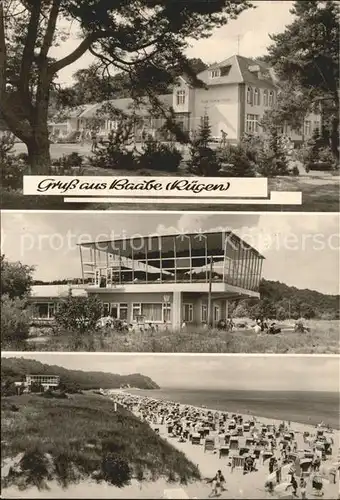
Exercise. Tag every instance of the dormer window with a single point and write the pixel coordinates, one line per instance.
(180, 97)
(215, 73)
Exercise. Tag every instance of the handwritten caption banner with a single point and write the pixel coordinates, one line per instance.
(149, 187)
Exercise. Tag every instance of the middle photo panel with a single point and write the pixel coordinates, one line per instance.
(173, 282)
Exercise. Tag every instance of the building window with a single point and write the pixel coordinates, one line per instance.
(256, 97)
(265, 97)
(123, 311)
(252, 124)
(216, 313)
(106, 309)
(307, 127)
(271, 98)
(150, 312)
(44, 310)
(136, 311)
(316, 126)
(215, 73)
(180, 97)
(204, 313)
(249, 95)
(188, 313)
(166, 312)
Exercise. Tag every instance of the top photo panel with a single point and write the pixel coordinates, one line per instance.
(216, 104)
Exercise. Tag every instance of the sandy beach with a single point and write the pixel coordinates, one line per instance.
(238, 482)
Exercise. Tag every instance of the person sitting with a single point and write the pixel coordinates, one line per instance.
(218, 483)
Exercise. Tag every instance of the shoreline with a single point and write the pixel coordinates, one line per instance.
(217, 407)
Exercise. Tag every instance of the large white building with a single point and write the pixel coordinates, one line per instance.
(236, 94)
(162, 280)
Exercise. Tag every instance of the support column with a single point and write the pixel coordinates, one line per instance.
(226, 309)
(176, 310)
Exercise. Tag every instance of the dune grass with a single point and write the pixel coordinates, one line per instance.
(323, 337)
(81, 437)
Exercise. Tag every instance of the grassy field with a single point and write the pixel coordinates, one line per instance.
(323, 337)
(81, 437)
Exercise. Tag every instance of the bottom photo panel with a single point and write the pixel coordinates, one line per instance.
(172, 426)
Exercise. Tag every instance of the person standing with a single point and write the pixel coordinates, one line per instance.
(94, 142)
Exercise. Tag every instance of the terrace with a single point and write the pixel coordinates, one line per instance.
(201, 258)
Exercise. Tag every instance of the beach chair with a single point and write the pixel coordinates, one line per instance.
(249, 441)
(238, 462)
(246, 427)
(243, 451)
(227, 439)
(196, 438)
(209, 444)
(267, 455)
(233, 444)
(224, 451)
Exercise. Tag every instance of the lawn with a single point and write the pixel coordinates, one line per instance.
(82, 437)
(323, 337)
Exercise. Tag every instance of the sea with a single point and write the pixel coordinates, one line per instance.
(304, 407)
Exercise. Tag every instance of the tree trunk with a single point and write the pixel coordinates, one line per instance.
(39, 154)
(335, 137)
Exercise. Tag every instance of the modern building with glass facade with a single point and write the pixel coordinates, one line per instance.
(171, 279)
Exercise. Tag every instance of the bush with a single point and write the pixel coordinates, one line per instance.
(116, 470)
(236, 161)
(113, 154)
(67, 162)
(79, 314)
(13, 167)
(15, 322)
(158, 156)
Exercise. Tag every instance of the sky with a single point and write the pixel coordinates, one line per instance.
(291, 373)
(252, 28)
(300, 250)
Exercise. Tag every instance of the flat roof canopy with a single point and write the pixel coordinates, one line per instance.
(199, 244)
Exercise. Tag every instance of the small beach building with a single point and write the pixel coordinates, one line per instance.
(171, 279)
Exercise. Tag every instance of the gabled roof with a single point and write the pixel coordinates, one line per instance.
(238, 72)
(125, 105)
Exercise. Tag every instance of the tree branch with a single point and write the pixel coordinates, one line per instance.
(75, 55)
(50, 29)
(28, 52)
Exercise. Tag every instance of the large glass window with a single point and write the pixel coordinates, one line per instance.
(151, 312)
(271, 98)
